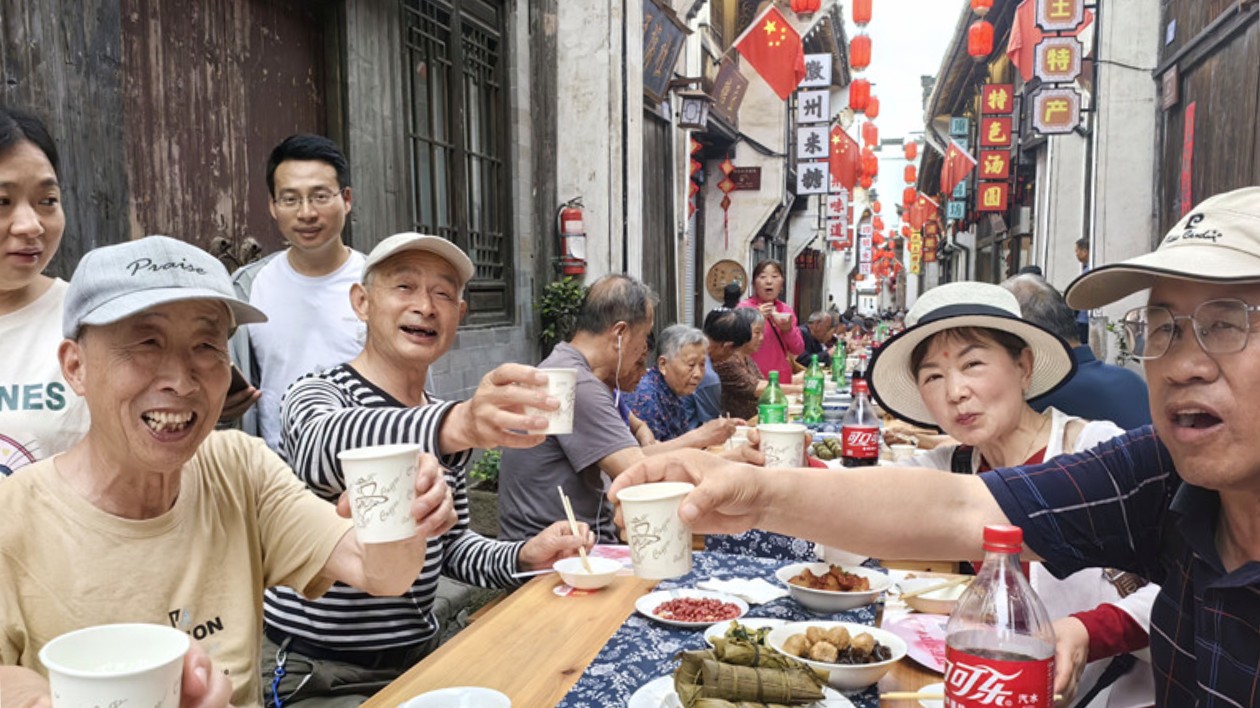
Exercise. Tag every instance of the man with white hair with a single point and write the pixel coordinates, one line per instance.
(1177, 503)
(155, 517)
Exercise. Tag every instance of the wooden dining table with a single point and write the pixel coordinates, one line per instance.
(533, 646)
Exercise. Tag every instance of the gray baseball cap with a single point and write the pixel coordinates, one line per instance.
(112, 283)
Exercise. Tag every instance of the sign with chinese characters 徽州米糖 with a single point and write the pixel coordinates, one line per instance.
(812, 143)
(817, 71)
(813, 107)
(813, 177)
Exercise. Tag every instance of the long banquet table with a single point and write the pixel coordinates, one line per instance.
(590, 649)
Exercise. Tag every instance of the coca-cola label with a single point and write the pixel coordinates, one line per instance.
(860, 441)
(1011, 681)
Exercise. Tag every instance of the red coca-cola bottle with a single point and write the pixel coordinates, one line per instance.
(859, 431)
(999, 644)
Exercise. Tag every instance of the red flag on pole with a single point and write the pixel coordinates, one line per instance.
(846, 159)
(773, 48)
(958, 164)
(1025, 35)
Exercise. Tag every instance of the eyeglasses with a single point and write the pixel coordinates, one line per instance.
(1221, 326)
(318, 200)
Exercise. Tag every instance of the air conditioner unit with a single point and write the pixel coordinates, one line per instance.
(1023, 222)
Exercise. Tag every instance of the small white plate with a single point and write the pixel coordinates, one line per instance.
(459, 697)
(719, 629)
(659, 693)
(932, 688)
(649, 602)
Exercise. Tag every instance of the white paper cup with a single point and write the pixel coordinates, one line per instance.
(116, 665)
(903, 451)
(783, 444)
(739, 437)
(660, 543)
(382, 484)
(561, 385)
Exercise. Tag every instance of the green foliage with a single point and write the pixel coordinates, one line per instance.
(1122, 345)
(485, 471)
(558, 309)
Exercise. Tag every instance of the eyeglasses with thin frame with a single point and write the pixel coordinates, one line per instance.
(1220, 326)
(317, 200)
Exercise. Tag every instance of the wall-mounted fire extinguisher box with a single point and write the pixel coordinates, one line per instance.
(572, 230)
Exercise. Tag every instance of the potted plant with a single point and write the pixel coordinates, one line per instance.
(558, 308)
(483, 494)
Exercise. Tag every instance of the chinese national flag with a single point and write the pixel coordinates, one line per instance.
(958, 163)
(773, 48)
(846, 159)
(1025, 35)
(923, 211)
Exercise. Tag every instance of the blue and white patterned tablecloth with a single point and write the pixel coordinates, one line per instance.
(642, 650)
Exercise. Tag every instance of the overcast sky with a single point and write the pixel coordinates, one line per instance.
(908, 40)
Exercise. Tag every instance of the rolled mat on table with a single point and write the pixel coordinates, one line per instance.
(740, 674)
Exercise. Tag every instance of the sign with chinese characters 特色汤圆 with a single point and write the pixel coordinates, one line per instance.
(997, 99)
(995, 132)
(994, 164)
(992, 196)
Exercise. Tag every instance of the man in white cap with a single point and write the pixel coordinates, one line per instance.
(153, 516)
(1178, 503)
(343, 647)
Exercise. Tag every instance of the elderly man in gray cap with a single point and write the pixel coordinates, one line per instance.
(1178, 503)
(153, 516)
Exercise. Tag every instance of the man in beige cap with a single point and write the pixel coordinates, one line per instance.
(155, 517)
(1178, 503)
(339, 649)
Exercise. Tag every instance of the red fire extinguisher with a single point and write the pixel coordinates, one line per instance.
(572, 238)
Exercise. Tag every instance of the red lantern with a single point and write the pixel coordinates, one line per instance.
(870, 163)
(905, 230)
(912, 150)
(980, 40)
(860, 52)
(878, 223)
(878, 239)
(908, 195)
(859, 94)
(870, 134)
(805, 9)
(912, 174)
(876, 206)
(866, 182)
(861, 12)
(872, 108)
(980, 7)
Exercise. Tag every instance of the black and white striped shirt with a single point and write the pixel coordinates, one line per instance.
(325, 413)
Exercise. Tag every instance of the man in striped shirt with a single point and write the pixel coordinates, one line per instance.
(1178, 503)
(340, 649)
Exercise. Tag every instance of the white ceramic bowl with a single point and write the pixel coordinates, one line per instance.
(938, 602)
(844, 677)
(460, 697)
(603, 571)
(826, 602)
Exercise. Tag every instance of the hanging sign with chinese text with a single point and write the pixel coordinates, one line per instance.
(817, 71)
(992, 196)
(812, 143)
(813, 107)
(663, 37)
(728, 90)
(960, 190)
(1056, 110)
(955, 210)
(1058, 59)
(995, 132)
(994, 164)
(997, 99)
(813, 177)
(959, 127)
(837, 204)
(746, 179)
(1060, 15)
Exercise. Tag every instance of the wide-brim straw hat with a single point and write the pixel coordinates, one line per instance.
(954, 306)
(1217, 242)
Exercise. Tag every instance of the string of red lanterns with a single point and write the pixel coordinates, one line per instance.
(980, 40)
(805, 9)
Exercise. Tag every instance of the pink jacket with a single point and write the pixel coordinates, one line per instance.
(779, 348)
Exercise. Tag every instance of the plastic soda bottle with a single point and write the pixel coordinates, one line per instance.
(838, 364)
(999, 643)
(772, 406)
(815, 384)
(859, 431)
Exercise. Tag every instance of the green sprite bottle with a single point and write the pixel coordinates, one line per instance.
(815, 383)
(772, 406)
(838, 365)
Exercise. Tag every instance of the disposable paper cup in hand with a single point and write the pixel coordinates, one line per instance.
(382, 484)
(660, 543)
(783, 444)
(561, 385)
(116, 665)
(739, 437)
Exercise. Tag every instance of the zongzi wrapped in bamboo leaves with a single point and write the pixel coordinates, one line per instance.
(777, 680)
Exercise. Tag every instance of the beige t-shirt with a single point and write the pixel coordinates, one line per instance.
(242, 522)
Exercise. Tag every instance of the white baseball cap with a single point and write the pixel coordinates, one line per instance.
(412, 241)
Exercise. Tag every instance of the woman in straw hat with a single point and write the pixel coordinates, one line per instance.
(967, 363)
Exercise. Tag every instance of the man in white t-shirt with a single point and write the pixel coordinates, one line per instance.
(305, 290)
